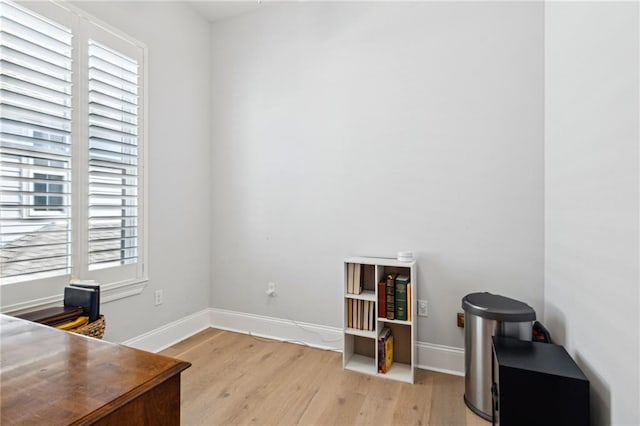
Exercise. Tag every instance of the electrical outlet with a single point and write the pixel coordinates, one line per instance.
(159, 296)
(423, 308)
(271, 289)
(461, 319)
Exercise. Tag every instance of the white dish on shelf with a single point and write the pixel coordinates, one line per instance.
(405, 256)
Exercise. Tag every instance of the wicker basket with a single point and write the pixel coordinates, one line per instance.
(94, 329)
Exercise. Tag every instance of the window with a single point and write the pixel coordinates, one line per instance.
(42, 201)
(71, 147)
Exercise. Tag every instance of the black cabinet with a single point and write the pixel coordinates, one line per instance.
(537, 383)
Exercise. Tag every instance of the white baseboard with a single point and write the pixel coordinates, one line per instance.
(172, 333)
(440, 358)
(317, 336)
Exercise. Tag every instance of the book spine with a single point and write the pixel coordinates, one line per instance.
(365, 322)
(380, 352)
(382, 289)
(401, 300)
(388, 355)
(391, 306)
(372, 316)
(350, 278)
(385, 333)
(409, 306)
(357, 278)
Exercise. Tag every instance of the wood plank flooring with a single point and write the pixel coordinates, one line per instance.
(240, 379)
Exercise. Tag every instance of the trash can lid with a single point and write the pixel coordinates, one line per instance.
(496, 307)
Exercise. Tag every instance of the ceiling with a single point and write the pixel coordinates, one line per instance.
(214, 10)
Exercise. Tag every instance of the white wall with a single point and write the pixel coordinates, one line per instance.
(179, 171)
(591, 198)
(366, 128)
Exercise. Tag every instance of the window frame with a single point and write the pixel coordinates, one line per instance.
(46, 209)
(123, 280)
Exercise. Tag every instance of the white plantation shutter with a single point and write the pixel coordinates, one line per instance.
(113, 158)
(35, 146)
(71, 152)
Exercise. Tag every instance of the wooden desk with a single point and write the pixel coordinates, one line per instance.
(53, 377)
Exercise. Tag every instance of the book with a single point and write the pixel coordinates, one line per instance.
(89, 284)
(357, 278)
(365, 322)
(49, 316)
(390, 292)
(385, 333)
(354, 319)
(388, 354)
(382, 297)
(349, 313)
(70, 325)
(380, 355)
(385, 350)
(350, 278)
(390, 306)
(85, 298)
(372, 316)
(409, 306)
(401, 282)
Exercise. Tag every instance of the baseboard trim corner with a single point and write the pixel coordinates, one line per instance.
(169, 334)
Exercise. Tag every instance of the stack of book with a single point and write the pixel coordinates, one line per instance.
(81, 306)
(53, 316)
(361, 314)
(385, 350)
(394, 297)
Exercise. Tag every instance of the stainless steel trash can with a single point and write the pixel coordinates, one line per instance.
(488, 315)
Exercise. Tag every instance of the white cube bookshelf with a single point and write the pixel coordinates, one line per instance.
(361, 346)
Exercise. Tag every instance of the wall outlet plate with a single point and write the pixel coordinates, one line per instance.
(271, 289)
(423, 308)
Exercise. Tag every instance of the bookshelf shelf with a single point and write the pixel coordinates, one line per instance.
(362, 330)
(363, 333)
(365, 295)
(401, 372)
(362, 364)
(393, 321)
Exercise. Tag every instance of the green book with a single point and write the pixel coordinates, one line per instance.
(401, 297)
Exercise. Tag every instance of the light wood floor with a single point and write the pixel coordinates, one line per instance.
(239, 379)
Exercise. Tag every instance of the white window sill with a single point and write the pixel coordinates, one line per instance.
(108, 293)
